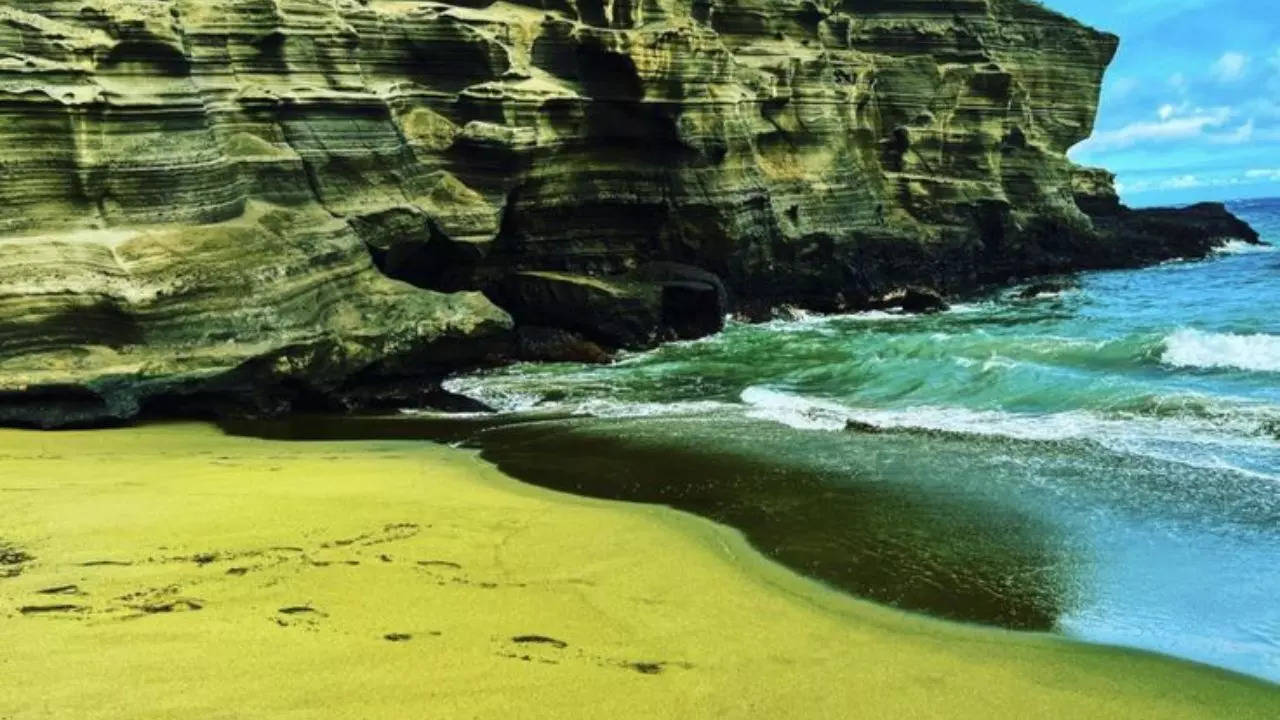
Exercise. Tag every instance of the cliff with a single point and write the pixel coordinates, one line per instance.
(274, 203)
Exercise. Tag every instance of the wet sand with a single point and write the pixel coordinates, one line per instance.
(172, 571)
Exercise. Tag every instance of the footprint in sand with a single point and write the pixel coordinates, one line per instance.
(171, 606)
(154, 601)
(643, 667)
(303, 616)
(51, 609)
(300, 609)
(61, 590)
(540, 640)
(12, 561)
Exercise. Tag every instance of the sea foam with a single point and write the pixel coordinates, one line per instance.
(820, 414)
(1192, 348)
(1240, 247)
(1174, 438)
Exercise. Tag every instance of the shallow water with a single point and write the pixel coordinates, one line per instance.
(1103, 462)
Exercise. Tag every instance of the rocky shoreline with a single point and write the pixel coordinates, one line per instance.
(214, 208)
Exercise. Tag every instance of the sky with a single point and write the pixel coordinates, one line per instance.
(1191, 106)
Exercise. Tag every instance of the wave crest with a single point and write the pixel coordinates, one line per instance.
(1239, 428)
(807, 413)
(1198, 349)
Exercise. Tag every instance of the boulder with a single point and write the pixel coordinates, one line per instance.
(557, 345)
(615, 312)
(1048, 287)
(917, 300)
(636, 310)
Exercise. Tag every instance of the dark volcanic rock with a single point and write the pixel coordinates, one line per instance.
(1189, 232)
(1127, 237)
(857, 426)
(615, 311)
(923, 301)
(695, 302)
(692, 309)
(912, 299)
(1050, 287)
(557, 345)
(658, 302)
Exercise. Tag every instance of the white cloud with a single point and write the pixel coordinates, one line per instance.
(1230, 67)
(1239, 136)
(1178, 182)
(1169, 110)
(1192, 181)
(1171, 126)
(1181, 182)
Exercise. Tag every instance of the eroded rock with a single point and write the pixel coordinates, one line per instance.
(258, 206)
(557, 345)
(615, 311)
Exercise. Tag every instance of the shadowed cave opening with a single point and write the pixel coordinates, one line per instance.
(146, 58)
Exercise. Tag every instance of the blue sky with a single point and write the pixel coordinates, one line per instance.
(1191, 106)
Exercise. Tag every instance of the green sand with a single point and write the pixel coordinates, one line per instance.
(173, 571)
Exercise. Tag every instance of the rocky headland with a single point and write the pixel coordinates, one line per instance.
(263, 205)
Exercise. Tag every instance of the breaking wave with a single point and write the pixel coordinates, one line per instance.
(1242, 425)
(1198, 349)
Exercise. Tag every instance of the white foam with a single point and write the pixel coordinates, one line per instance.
(970, 308)
(1240, 247)
(1134, 434)
(489, 393)
(1192, 439)
(998, 362)
(818, 414)
(803, 320)
(874, 315)
(613, 409)
(507, 400)
(1198, 349)
(795, 411)
(1195, 456)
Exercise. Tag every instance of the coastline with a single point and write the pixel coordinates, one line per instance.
(219, 576)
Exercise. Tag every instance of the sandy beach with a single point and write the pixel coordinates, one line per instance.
(171, 571)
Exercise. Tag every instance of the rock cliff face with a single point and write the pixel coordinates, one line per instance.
(280, 201)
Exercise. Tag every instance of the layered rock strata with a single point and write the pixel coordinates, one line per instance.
(273, 308)
(274, 202)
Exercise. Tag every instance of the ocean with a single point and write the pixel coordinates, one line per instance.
(1100, 461)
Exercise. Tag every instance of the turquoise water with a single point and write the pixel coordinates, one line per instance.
(1102, 462)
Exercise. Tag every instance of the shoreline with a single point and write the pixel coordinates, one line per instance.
(219, 576)
(98, 390)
